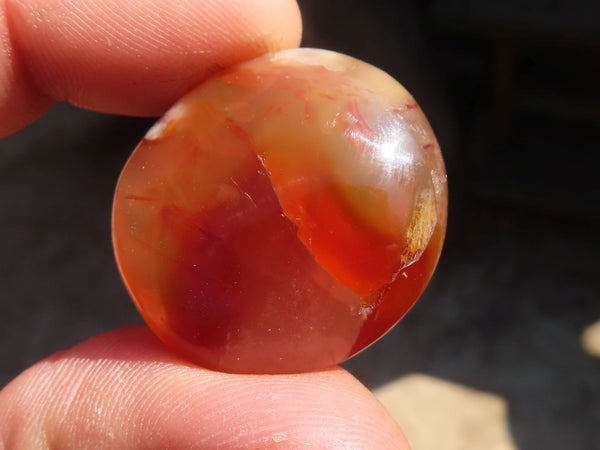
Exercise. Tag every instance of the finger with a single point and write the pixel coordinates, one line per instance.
(127, 56)
(123, 389)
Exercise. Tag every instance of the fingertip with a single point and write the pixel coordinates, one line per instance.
(20, 100)
(126, 389)
(138, 57)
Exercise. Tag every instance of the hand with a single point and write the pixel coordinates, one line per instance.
(124, 389)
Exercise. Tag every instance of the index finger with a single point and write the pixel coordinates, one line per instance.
(131, 57)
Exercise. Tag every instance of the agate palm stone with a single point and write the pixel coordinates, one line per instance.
(283, 215)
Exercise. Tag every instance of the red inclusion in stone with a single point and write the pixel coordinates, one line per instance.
(282, 216)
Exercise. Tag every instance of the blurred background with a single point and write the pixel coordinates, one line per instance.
(503, 349)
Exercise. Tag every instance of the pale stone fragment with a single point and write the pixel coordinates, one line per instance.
(440, 415)
(590, 339)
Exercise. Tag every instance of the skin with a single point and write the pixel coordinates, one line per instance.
(124, 389)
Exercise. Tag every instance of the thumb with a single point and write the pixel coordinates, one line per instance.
(123, 389)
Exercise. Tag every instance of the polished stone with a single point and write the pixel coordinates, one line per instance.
(283, 215)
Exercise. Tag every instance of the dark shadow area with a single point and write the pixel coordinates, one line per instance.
(59, 281)
(511, 89)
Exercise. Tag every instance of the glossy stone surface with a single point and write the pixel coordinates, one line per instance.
(283, 215)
